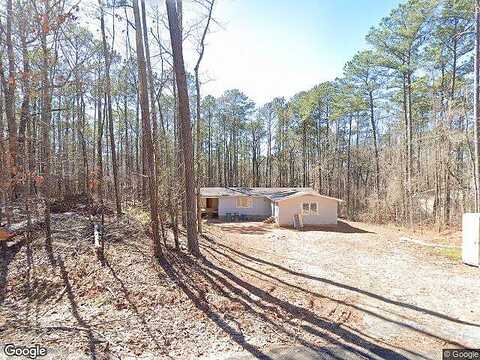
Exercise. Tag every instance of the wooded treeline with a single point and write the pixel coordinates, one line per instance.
(393, 137)
(84, 112)
(114, 114)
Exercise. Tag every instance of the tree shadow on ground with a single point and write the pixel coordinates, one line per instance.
(341, 227)
(9, 253)
(85, 327)
(210, 250)
(174, 264)
(27, 288)
(246, 228)
(7, 256)
(177, 267)
(134, 307)
(345, 286)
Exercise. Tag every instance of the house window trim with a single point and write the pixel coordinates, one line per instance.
(249, 199)
(309, 212)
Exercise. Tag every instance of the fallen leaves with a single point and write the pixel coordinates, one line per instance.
(121, 306)
(6, 235)
(137, 305)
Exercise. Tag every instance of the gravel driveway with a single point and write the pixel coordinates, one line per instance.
(405, 296)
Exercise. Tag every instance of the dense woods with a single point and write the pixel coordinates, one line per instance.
(115, 113)
(393, 137)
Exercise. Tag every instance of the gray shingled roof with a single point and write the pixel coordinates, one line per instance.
(271, 193)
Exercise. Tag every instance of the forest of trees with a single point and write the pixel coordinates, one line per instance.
(112, 111)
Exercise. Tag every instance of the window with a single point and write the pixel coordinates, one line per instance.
(305, 208)
(244, 202)
(309, 208)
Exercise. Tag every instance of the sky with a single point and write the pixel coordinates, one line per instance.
(270, 48)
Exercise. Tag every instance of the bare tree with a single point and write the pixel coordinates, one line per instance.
(25, 116)
(151, 88)
(108, 90)
(46, 117)
(185, 121)
(10, 95)
(197, 87)
(476, 110)
(147, 130)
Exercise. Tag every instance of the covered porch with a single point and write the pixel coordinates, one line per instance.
(209, 207)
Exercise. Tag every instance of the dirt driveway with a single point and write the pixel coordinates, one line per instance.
(396, 294)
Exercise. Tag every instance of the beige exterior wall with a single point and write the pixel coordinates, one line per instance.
(326, 214)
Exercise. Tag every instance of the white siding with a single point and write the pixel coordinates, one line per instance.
(275, 211)
(326, 213)
(471, 239)
(260, 207)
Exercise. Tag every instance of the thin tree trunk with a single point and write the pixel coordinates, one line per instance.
(10, 99)
(172, 207)
(406, 121)
(153, 111)
(46, 123)
(349, 207)
(476, 106)
(197, 88)
(210, 148)
(186, 134)
(147, 131)
(410, 149)
(99, 171)
(25, 110)
(108, 89)
(375, 145)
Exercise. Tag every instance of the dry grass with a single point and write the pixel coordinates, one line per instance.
(453, 254)
(138, 214)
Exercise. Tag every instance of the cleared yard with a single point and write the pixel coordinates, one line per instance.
(258, 289)
(396, 294)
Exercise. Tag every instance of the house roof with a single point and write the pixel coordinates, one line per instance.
(303, 193)
(274, 194)
(216, 192)
(247, 191)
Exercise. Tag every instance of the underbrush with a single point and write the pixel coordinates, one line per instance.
(138, 214)
(453, 254)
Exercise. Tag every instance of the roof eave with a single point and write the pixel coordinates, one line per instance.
(305, 194)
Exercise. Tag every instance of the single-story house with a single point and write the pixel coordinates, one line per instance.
(260, 203)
